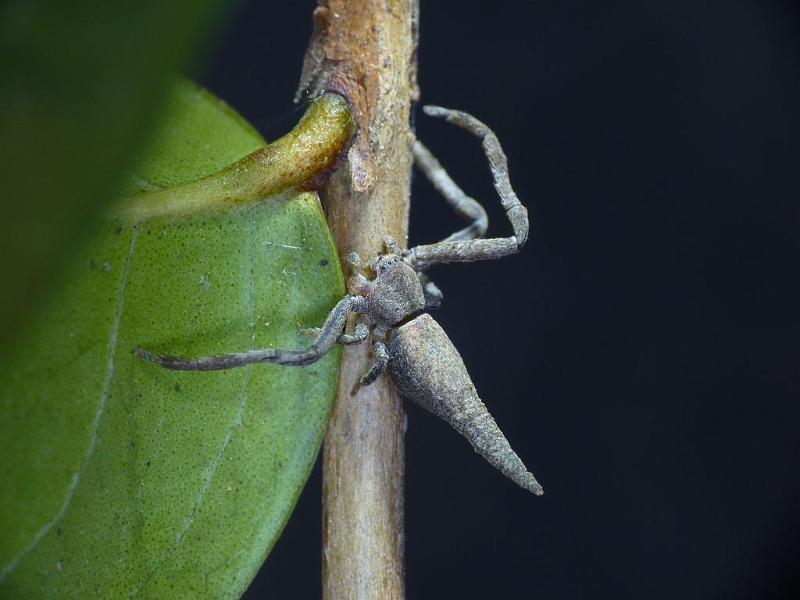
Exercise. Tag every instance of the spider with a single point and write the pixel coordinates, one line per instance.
(391, 307)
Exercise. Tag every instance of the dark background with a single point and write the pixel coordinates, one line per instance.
(641, 354)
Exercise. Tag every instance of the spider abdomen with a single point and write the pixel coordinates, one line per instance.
(427, 368)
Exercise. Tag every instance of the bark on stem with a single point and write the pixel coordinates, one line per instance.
(366, 50)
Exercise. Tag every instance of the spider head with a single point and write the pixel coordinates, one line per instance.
(386, 262)
(395, 293)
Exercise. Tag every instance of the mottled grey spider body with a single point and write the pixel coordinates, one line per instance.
(406, 341)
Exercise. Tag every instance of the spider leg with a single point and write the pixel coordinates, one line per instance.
(390, 245)
(379, 366)
(359, 334)
(353, 262)
(466, 206)
(357, 284)
(471, 250)
(326, 339)
(433, 295)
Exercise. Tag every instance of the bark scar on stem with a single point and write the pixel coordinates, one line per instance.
(336, 63)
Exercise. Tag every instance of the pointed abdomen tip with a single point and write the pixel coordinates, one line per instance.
(535, 487)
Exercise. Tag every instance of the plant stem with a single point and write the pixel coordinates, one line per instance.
(366, 50)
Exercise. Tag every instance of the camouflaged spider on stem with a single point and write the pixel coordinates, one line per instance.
(406, 341)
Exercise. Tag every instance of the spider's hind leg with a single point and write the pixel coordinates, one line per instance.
(379, 366)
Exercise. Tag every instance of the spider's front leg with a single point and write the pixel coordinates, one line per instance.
(433, 295)
(328, 336)
(360, 333)
(465, 206)
(460, 247)
(357, 283)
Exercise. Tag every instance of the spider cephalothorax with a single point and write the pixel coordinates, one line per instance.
(396, 292)
(390, 309)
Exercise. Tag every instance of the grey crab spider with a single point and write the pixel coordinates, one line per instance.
(422, 361)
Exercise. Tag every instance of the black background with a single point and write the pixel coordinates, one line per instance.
(641, 354)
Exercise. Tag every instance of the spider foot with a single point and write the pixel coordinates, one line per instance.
(390, 245)
(353, 261)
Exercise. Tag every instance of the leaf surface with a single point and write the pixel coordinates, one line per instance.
(124, 479)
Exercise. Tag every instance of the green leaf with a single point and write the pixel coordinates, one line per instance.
(80, 84)
(123, 479)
